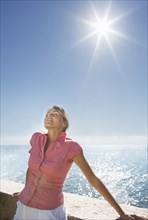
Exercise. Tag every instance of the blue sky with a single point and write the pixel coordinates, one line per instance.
(49, 56)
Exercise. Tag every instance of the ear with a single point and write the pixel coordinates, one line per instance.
(64, 123)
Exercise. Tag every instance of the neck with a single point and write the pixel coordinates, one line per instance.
(53, 134)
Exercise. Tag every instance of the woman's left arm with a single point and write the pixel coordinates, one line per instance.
(81, 162)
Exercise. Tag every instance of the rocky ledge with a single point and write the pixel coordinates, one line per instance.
(78, 207)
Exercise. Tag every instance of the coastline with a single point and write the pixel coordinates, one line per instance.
(78, 207)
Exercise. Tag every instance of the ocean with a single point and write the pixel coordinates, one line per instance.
(123, 169)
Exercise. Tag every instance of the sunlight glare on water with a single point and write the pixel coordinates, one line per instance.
(122, 169)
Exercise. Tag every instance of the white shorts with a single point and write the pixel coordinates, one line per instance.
(24, 212)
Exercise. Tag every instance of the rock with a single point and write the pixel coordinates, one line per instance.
(7, 206)
(78, 207)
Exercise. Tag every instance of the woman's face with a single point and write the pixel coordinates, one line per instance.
(54, 119)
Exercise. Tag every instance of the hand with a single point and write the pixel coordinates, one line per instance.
(132, 217)
(139, 218)
(16, 194)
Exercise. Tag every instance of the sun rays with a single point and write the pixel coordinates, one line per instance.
(101, 29)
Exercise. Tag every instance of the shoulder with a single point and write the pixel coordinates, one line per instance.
(71, 143)
(73, 148)
(36, 136)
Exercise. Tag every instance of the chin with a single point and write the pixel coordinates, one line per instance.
(49, 126)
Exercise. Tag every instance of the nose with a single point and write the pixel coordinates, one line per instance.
(50, 115)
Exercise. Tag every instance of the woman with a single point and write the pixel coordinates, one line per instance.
(51, 157)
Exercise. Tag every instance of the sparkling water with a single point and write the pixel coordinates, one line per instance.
(123, 169)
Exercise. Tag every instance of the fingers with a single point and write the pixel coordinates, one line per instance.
(139, 218)
(127, 217)
(16, 194)
(132, 217)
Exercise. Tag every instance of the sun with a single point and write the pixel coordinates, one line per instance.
(104, 28)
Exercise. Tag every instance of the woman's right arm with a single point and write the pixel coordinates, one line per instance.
(27, 176)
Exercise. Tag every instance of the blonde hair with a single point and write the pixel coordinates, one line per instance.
(63, 113)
